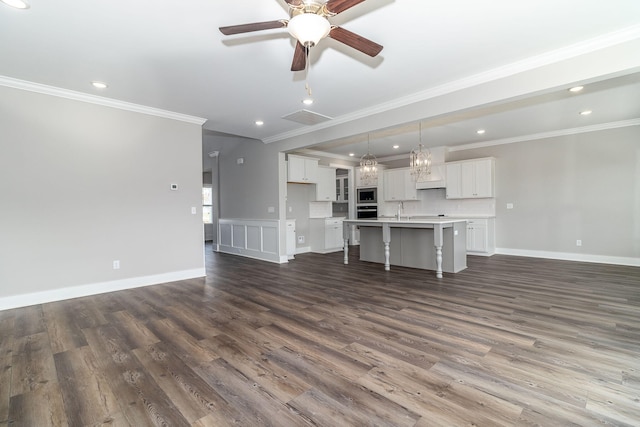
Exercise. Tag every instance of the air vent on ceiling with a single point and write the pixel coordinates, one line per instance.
(306, 117)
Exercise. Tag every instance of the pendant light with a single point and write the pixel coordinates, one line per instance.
(420, 161)
(368, 167)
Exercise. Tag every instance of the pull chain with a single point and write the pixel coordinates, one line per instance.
(307, 65)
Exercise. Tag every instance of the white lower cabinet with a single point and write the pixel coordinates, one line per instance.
(481, 236)
(326, 235)
(291, 238)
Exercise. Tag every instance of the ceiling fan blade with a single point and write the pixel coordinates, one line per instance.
(255, 26)
(355, 41)
(337, 6)
(299, 58)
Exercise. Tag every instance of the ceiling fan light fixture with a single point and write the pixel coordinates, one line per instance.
(18, 4)
(309, 28)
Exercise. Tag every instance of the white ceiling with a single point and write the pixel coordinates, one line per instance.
(170, 55)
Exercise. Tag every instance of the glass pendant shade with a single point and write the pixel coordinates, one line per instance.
(309, 28)
(368, 168)
(420, 161)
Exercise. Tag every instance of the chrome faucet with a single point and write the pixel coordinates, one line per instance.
(400, 210)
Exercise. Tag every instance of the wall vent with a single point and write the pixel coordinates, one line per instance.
(306, 117)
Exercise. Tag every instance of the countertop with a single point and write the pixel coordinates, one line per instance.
(406, 221)
(454, 216)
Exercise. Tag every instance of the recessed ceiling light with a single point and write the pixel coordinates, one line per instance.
(352, 154)
(395, 147)
(576, 89)
(99, 85)
(18, 4)
(307, 101)
(259, 122)
(480, 131)
(585, 112)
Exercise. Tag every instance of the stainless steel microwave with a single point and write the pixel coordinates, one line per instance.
(368, 195)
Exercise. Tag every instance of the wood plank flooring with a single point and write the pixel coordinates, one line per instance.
(508, 342)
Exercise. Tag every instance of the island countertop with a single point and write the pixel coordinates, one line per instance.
(404, 221)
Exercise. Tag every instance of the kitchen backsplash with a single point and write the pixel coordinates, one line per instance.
(434, 202)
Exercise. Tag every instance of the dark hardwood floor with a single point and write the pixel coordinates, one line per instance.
(510, 342)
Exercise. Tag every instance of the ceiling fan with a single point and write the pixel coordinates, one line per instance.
(309, 23)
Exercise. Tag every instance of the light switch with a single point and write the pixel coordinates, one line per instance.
(194, 210)
(271, 209)
(509, 205)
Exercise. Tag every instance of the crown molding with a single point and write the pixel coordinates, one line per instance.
(550, 134)
(531, 63)
(98, 100)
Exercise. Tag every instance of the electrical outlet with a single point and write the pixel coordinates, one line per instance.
(509, 205)
(300, 239)
(578, 242)
(116, 265)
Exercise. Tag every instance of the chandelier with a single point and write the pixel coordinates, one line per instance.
(420, 161)
(368, 168)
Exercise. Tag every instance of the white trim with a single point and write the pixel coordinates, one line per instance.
(303, 250)
(568, 256)
(43, 297)
(550, 134)
(99, 100)
(528, 64)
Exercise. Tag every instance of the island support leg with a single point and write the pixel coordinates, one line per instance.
(345, 236)
(386, 239)
(437, 241)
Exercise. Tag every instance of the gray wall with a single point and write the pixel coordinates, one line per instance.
(82, 185)
(584, 186)
(247, 190)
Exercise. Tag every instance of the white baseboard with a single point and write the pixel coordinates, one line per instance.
(568, 256)
(303, 250)
(43, 297)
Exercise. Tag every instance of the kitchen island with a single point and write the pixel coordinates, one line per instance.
(434, 244)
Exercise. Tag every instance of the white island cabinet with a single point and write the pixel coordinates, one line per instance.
(470, 179)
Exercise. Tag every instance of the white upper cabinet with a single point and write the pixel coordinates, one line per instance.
(470, 179)
(302, 169)
(342, 188)
(326, 184)
(398, 185)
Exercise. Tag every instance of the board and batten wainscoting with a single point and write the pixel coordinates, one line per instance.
(252, 238)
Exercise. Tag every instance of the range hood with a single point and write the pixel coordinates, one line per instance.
(437, 179)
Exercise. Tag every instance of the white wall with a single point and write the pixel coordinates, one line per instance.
(82, 185)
